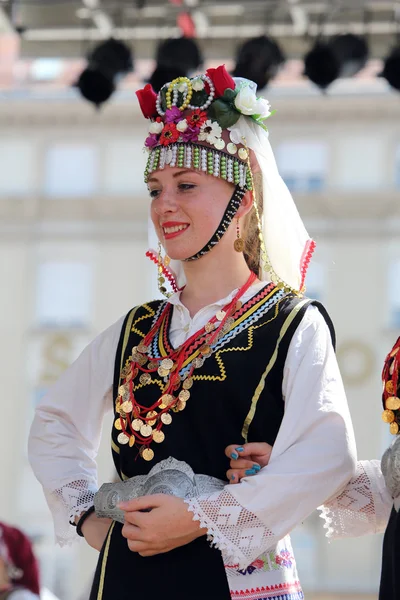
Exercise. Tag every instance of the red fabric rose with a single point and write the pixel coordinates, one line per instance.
(147, 100)
(169, 134)
(221, 80)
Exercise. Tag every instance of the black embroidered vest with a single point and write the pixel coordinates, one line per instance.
(236, 395)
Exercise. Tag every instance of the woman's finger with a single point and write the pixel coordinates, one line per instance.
(236, 475)
(137, 546)
(233, 451)
(243, 463)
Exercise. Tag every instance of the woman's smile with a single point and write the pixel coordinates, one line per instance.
(172, 229)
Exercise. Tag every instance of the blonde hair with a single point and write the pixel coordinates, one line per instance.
(250, 231)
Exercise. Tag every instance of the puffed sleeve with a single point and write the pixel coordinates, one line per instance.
(313, 457)
(66, 431)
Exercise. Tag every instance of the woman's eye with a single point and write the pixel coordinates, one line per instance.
(153, 193)
(186, 186)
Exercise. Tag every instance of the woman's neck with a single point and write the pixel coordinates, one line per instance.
(208, 280)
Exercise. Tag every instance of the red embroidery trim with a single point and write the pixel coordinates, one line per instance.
(305, 260)
(166, 272)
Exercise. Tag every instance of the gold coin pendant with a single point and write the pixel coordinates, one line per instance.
(148, 454)
(123, 438)
(158, 436)
(118, 424)
(238, 244)
(136, 424)
(184, 395)
(393, 403)
(187, 384)
(150, 415)
(131, 441)
(167, 364)
(394, 428)
(146, 430)
(166, 418)
(388, 416)
(389, 387)
(145, 378)
(181, 405)
(127, 406)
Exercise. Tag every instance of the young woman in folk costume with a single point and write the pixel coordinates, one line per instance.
(370, 502)
(235, 353)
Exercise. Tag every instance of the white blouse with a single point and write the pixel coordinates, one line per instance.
(312, 459)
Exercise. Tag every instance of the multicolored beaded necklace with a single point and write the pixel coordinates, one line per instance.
(141, 425)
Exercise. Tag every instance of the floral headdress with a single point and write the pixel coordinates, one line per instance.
(210, 123)
(192, 124)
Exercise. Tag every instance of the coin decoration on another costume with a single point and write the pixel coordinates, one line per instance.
(139, 426)
(391, 390)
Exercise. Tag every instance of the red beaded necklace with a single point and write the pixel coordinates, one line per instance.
(142, 425)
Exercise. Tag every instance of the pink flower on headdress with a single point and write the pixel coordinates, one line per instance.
(191, 134)
(151, 140)
(173, 115)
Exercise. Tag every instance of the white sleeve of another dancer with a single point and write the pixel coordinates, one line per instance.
(363, 506)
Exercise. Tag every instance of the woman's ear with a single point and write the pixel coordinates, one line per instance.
(245, 206)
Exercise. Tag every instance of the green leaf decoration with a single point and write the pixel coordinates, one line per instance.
(199, 98)
(164, 99)
(223, 113)
(229, 96)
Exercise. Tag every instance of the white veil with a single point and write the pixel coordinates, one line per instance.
(288, 245)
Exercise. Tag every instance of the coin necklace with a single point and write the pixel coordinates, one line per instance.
(390, 378)
(140, 425)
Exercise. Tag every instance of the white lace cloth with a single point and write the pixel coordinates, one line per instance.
(363, 507)
(312, 458)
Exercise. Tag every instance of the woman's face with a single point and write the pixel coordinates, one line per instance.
(186, 208)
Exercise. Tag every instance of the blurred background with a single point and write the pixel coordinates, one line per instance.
(73, 207)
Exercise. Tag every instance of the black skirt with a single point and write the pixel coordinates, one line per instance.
(194, 571)
(390, 578)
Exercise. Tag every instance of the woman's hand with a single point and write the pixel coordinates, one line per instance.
(158, 523)
(247, 460)
(95, 531)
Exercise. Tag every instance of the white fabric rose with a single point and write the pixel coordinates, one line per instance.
(263, 108)
(198, 85)
(182, 88)
(182, 126)
(156, 127)
(246, 101)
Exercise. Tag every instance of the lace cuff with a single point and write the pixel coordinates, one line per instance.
(363, 507)
(67, 502)
(238, 533)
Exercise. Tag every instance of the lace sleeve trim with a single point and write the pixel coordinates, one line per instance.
(363, 507)
(68, 502)
(238, 533)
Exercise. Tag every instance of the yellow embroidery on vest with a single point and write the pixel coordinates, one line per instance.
(104, 562)
(271, 363)
(150, 313)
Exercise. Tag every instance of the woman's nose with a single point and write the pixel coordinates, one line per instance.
(166, 202)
